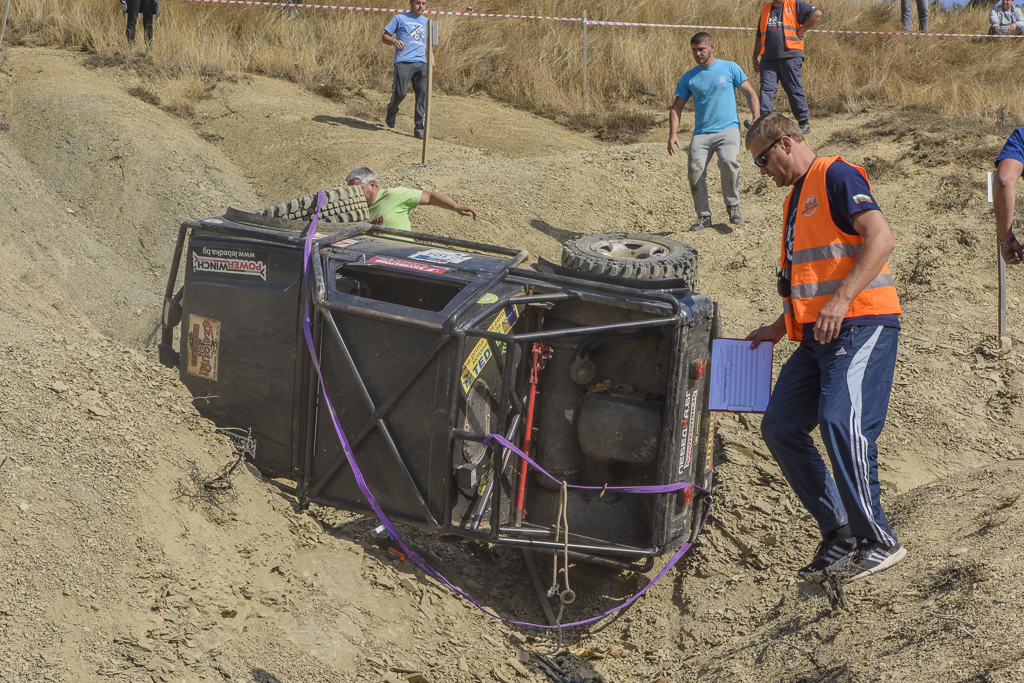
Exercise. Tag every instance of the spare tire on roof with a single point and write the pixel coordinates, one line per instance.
(341, 205)
(632, 255)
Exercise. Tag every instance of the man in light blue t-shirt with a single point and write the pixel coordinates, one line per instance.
(712, 84)
(407, 33)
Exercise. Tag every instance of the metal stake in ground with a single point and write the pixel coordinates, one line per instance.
(584, 62)
(3, 28)
(431, 42)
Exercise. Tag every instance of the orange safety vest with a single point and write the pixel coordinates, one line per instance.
(789, 25)
(823, 255)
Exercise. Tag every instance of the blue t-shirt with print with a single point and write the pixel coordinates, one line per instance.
(714, 102)
(413, 32)
(1014, 147)
(848, 195)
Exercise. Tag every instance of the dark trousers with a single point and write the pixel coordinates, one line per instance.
(843, 389)
(417, 73)
(786, 71)
(147, 8)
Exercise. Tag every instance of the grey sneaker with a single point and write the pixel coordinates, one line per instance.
(734, 214)
(805, 127)
(419, 133)
(702, 222)
(872, 557)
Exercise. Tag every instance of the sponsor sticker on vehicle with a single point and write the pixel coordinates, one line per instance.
(441, 256)
(488, 298)
(691, 425)
(481, 353)
(203, 347)
(231, 263)
(408, 265)
(242, 441)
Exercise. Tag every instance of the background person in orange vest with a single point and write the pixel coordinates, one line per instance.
(779, 54)
(840, 303)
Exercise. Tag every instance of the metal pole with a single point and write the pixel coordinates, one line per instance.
(585, 107)
(1004, 340)
(431, 41)
(3, 28)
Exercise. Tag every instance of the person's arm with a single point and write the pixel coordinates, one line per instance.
(390, 40)
(752, 99)
(993, 18)
(438, 199)
(1004, 196)
(757, 49)
(878, 244)
(808, 23)
(773, 333)
(674, 113)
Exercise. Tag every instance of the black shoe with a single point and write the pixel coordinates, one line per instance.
(834, 551)
(389, 120)
(702, 222)
(419, 133)
(872, 557)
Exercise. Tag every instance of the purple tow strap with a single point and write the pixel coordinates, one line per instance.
(490, 439)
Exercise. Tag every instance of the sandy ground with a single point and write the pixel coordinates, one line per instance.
(110, 569)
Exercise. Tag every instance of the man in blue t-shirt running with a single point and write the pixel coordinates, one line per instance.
(407, 33)
(1009, 167)
(716, 126)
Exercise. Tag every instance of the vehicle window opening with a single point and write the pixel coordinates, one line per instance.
(393, 287)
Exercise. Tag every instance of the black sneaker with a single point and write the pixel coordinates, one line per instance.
(389, 119)
(419, 133)
(872, 557)
(702, 222)
(834, 552)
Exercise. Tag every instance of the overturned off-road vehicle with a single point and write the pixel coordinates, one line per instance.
(596, 368)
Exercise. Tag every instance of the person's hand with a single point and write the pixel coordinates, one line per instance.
(830, 319)
(995, 27)
(1012, 253)
(399, 45)
(772, 333)
(466, 210)
(757, 67)
(673, 141)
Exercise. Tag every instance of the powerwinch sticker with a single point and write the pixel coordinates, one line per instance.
(220, 263)
(242, 441)
(408, 265)
(477, 359)
(203, 347)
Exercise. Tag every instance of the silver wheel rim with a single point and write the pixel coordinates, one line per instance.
(630, 248)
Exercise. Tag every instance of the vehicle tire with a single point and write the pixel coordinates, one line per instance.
(341, 205)
(632, 255)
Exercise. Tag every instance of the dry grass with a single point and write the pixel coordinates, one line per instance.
(537, 65)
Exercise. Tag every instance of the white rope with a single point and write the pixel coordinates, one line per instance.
(567, 596)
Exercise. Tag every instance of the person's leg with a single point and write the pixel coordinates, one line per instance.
(419, 88)
(697, 169)
(905, 7)
(399, 86)
(727, 143)
(133, 18)
(148, 9)
(855, 386)
(922, 15)
(786, 428)
(769, 83)
(789, 75)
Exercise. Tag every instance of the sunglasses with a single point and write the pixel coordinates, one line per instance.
(761, 160)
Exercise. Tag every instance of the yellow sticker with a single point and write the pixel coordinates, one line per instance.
(488, 298)
(481, 353)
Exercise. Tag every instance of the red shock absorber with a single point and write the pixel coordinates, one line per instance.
(540, 353)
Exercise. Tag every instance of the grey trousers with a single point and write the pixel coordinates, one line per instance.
(922, 14)
(727, 143)
(404, 73)
(786, 71)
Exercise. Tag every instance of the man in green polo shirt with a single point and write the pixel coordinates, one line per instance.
(391, 207)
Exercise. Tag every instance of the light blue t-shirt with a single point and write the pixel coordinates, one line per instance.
(413, 32)
(714, 102)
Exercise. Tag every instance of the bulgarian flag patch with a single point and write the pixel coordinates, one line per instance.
(858, 198)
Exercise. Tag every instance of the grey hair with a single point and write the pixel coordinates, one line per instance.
(362, 174)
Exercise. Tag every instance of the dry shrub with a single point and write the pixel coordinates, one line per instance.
(954, 192)
(843, 137)
(621, 126)
(883, 169)
(145, 94)
(182, 94)
(959, 576)
(538, 64)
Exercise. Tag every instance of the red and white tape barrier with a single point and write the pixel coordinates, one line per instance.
(593, 22)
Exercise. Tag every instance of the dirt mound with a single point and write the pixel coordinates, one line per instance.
(117, 563)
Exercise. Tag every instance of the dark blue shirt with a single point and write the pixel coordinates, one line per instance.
(1014, 147)
(848, 195)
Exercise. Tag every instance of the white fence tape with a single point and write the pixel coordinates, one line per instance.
(593, 22)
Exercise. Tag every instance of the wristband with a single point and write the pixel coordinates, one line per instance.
(1008, 242)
